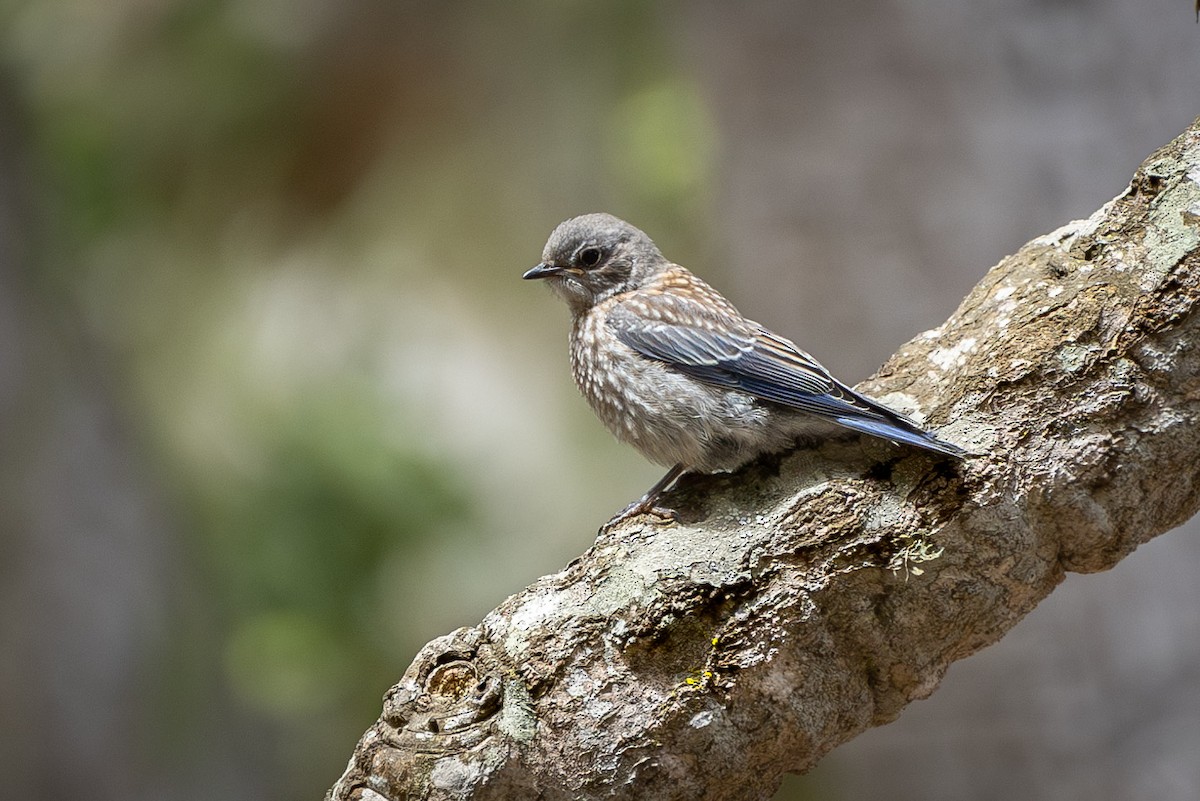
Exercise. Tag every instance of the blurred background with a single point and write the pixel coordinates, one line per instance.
(276, 409)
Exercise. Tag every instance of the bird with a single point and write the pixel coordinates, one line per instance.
(672, 368)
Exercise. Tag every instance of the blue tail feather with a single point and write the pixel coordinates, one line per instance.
(893, 431)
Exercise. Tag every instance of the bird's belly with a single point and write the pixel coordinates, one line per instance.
(669, 417)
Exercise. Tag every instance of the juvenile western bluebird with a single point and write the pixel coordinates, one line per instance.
(672, 368)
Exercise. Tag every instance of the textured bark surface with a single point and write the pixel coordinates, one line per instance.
(814, 594)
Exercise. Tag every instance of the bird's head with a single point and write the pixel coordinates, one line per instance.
(595, 256)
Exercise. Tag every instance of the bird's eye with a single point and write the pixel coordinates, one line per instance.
(590, 257)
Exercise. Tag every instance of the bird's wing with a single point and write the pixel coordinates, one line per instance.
(718, 346)
(684, 323)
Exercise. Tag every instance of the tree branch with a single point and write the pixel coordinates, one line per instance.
(813, 595)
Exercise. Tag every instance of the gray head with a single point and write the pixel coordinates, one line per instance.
(591, 257)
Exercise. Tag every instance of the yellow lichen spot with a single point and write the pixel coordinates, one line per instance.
(913, 550)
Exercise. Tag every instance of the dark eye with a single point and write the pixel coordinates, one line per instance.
(590, 257)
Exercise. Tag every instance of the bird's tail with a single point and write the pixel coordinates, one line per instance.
(898, 431)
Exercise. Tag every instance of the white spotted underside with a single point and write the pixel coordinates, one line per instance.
(669, 417)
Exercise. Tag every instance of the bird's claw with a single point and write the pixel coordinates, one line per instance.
(638, 508)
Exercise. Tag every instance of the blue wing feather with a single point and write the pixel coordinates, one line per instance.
(717, 347)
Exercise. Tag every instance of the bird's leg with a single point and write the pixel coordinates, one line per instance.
(646, 503)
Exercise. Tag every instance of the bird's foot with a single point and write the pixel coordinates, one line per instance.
(645, 506)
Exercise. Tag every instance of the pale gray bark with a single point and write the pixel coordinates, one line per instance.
(813, 595)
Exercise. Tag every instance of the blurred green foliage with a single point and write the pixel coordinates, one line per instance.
(294, 230)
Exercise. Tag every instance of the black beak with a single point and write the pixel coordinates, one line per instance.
(543, 270)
